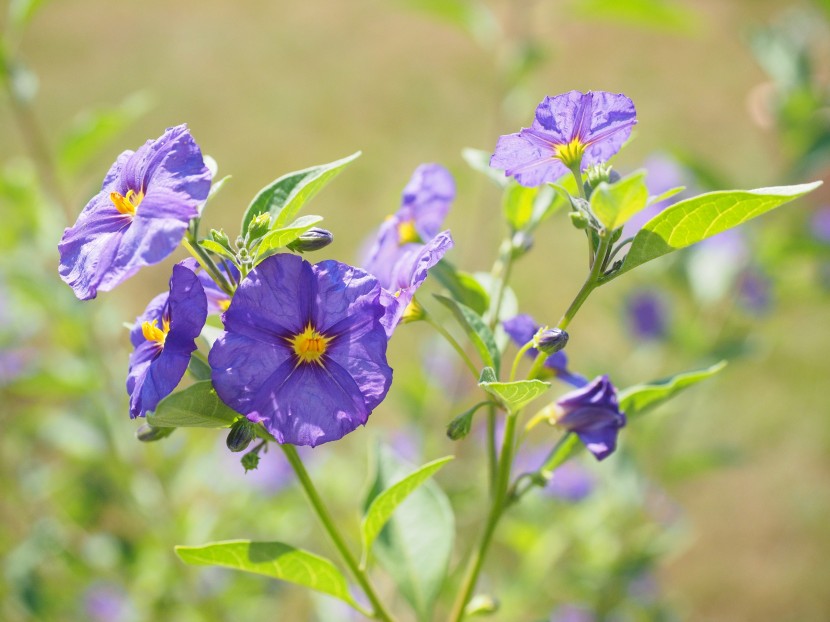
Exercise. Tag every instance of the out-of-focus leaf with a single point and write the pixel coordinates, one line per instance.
(637, 399)
(272, 559)
(693, 220)
(416, 544)
(462, 286)
(382, 506)
(666, 15)
(93, 130)
(471, 16)
(512, 395)
(479, 160)
(197, 406)
(284, 197)
(614, 204)
(478, 332)
(21, 13)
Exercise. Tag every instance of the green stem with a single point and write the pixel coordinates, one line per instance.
(590, 283)
(504, 266)
(456, 346)
(207, 264)
(331, 529)
(522, 351)
(492, 451)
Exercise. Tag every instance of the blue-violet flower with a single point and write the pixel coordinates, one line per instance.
(303, 350)
(593, 414)
(146, 202)
(521, 329)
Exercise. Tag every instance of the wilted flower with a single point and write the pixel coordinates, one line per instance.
(303, 350)
(408, 243)
(570, 130)
(521, 329)
(140, 215)
(164, 337)
(593, 414)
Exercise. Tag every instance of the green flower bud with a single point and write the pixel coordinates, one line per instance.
(241, 435)
(221, 238)
(312, 240)
(579, 220)
(259, 226)
(250, 461)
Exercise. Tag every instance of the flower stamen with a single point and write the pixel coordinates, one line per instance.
(407, 233)
(570, 154)
(153, 333)
(309, 346)
(127, 204)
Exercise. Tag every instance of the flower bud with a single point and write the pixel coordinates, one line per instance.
(241, 435)
(579, 220)
(414, 312)
(259, 226)
(250, 461)
(147, 433)
(481, 604)
(312, 240)
(551, 340)
(598, 173)
(221, 238)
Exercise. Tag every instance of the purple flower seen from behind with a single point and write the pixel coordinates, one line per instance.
(164, 337)
(408, 243)
(146, 202)
(570, 130)
(647, 315)
(593, 414)
(303, 351)
(521, 329)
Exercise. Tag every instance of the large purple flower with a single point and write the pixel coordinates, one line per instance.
(521, 329)
(303, 351)
(164, 337)
(140, 215)
(408, 243)
(570, 130)
(593, 414)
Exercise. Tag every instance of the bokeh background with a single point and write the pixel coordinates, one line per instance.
(718, 508)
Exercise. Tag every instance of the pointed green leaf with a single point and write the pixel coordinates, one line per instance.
(479, 333)
(272, 559)
(284, 197)
(382, 506)
(512, 395)
(416, 544)
(283, 236)
(218, 249)
(614, 204)
(197, 406)
(198, 368)
(639, 398)
(462, 286)
(692, 220)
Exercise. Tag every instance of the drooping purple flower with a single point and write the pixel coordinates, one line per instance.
(521, 329)
(821, 224)
(146, 202)
(570, 130)
(593, 414)
(647, 315)
(303, 351)
(164, 337)
(408, 243)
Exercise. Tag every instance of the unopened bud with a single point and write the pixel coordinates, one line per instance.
(579, 220)
(414, 312)
(481, 605)
(598, 173)
(312, 240)
(552, 340)
(250, 461)
(221, 238)
(259, 226)
(241, 435)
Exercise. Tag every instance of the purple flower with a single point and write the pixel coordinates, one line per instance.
(593, 414)
(145, 205)
(105, 602)
(571, 482)
(408, 243)
(303, 350)
(647, 315)
(571, 613)
(755, 290)
(521, 329)
(164, 337)
(570, 130)
(821, 224)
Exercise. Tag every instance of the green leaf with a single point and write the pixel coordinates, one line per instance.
(512, 395)
(197, 406)
(283, 236)
(665, 195)
(93, 130)
(637, 399)
(479, 333)
(216, 186)
(524, 208)
(462, 286)
(614, 204)
(664, 15)
(479, 160)
(218, 249)
(416, 544)
(284, 197)
(198, 368)
(461, 425)
(692, 220)
(272, 559)
(567, 447)
(382, 506)
(21, 13)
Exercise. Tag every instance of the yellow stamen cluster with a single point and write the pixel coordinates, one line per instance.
(152, 332)
(310, 345)
(407, 233)
(127, 204)
(571, 153)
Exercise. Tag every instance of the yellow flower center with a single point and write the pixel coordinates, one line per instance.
(152, 332)
(224, 304)
(571, 153)
(407, 233)
(310, 345)
(127, 204)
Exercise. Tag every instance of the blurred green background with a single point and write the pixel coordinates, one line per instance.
(268, 87)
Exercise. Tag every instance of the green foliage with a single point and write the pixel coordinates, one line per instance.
(197, 406)
(283, 236)
(272, 559)
(637, 399)
(284, 197)
(479, 160)
(479, 333)
(462, 286)
(198, 368)
(666, 15)
(614, 204)
(693, 220)
(524, 208)
(512, 395)
(416, 544)
(382, 506)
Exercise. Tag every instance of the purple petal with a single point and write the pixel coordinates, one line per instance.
(427, 198)
(523, 157)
